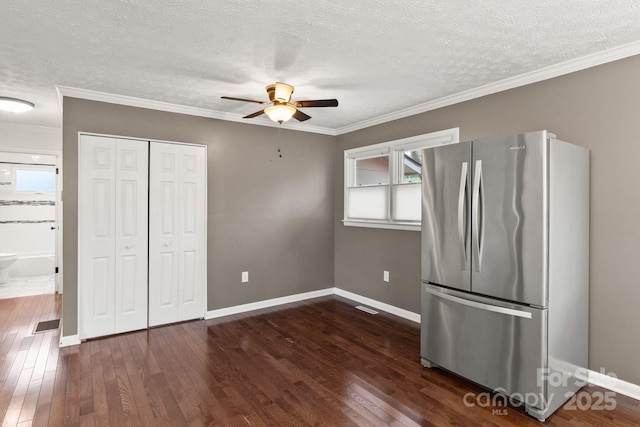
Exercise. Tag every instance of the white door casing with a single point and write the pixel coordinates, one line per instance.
(112, 235)
(176, 232)
(58, 227)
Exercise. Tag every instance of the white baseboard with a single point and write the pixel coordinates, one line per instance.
(400, 312)
(614, 384)
(69, 340)
(243, 308)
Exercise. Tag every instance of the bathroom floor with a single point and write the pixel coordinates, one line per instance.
(26, 286)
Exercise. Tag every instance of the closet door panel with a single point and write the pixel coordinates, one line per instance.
(131, 235)
(96, 235)
(163, 239)
(100, 307)
(166, 281)
(177, 233)
(128, 302)
(192, 232)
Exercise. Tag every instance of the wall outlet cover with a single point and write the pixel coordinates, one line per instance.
(245, 276)
(385, 276)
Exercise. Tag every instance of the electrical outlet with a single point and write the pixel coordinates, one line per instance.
(245, 276)
(385, 276)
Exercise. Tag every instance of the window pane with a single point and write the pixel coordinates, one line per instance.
(372, 171)
(407, 202)
(35, 180)
(368, 202)
(412, 166)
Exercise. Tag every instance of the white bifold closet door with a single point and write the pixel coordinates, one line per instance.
(177, 233)
(112, 235)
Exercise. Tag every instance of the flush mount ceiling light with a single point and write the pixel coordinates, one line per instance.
(13, 105)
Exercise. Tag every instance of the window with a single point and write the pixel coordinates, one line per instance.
(35, 181)
(382, 182)
(411, 166)
(372, 171)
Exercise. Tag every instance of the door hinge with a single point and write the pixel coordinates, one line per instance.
(57, 270)
(57, 171)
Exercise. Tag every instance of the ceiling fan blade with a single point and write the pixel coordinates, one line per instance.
(300, 116)
(243, 100)
(256, 114)
(317, 103)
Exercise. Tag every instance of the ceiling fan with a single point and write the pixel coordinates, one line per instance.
(281, 108)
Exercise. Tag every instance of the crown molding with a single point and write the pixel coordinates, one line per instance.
(92, 95)
(571, 66)
(27, 126)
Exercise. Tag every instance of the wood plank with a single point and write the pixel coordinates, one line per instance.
(317, 362)
(136, 385)
(72, 396)
(43, 407)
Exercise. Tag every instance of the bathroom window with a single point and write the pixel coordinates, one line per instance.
(35, 181)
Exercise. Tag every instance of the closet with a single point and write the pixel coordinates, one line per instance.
(177, 199)
(141, 234)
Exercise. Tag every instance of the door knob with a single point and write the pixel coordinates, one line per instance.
(167, 244)
(128, 246)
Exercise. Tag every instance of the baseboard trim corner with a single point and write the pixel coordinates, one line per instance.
(243, 308)
(400, 312)
(614, 384)
(69, 340)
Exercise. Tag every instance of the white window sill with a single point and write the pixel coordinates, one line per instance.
(407, 226)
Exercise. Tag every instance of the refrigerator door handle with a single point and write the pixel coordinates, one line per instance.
(479, 305)
(462, 223)
(477, 227)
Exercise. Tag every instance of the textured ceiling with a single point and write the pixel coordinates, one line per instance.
(376, 57)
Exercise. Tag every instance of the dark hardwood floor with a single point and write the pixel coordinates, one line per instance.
(320, 362)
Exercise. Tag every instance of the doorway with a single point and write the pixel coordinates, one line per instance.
(29, 223)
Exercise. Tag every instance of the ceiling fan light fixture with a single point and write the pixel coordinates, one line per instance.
(13, 105)
(283, 92)
(281, 108)
(280, 112)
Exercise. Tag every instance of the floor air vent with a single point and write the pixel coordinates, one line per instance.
(47, 325)
(366, 309)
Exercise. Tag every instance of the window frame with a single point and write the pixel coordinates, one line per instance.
(36, 168)
(395, 150)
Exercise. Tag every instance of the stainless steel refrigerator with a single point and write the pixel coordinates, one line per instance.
(505, 266)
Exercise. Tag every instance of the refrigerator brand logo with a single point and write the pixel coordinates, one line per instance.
(517, 147)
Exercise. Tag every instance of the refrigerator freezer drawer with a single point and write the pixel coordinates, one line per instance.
(493, 343)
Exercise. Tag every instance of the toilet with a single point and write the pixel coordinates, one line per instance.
(6, 261)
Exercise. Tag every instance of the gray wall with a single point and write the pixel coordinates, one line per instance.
(275, 216)
(269, 215)
(599, 109)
